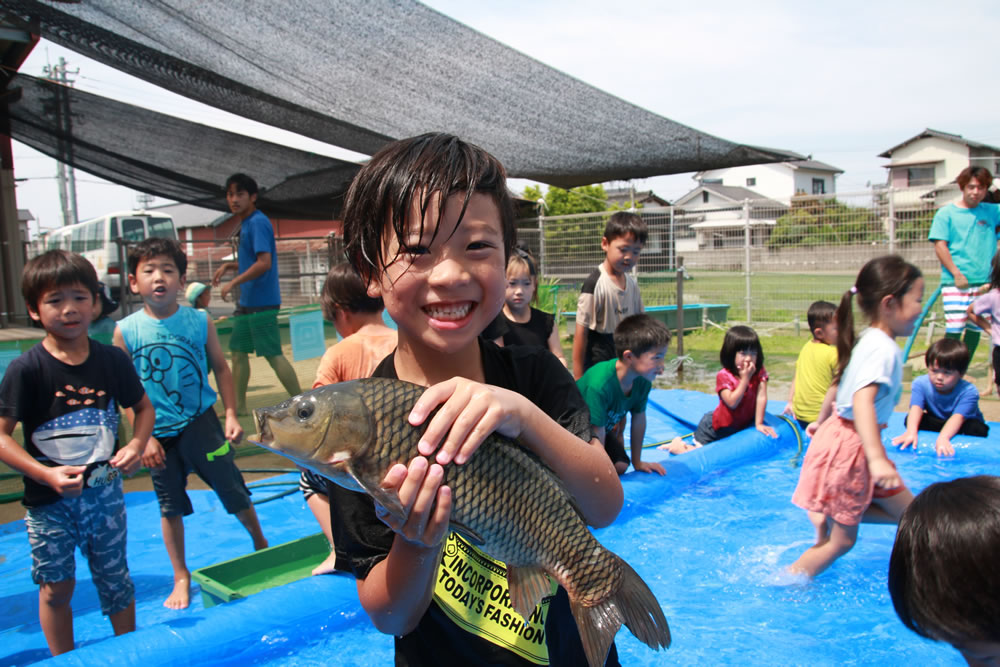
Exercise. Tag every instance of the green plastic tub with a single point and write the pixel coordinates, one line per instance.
(275, 566)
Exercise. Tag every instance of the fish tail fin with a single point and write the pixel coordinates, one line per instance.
(633, 605)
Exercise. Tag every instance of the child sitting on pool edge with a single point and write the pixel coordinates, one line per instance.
(616, 386)
(742, 389)
(943, 577)
(942, 401)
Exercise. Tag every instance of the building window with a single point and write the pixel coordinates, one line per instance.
(704, 196)
(751, 182)
(819, 186)
(919, 176)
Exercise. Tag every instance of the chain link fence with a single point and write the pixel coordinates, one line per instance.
(767, 260)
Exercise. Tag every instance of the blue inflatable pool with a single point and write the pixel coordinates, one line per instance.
(711, 538)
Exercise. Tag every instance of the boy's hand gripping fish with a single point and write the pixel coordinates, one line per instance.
(505, 501)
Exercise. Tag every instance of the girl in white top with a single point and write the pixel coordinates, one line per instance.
(846, 477)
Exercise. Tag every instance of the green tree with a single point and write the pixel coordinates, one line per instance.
(583, 199)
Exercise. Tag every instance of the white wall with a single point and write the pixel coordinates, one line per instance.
(774, 181)
(804, 181)
(932, 149)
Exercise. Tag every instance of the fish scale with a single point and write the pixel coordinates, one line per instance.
(504, 499)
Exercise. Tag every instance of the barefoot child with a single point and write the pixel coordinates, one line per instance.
(65, 391)
(171, 347)
(526, 325)
(846, 477)
(742, 389)
(942, 401)
(428, 224)
(366, 341)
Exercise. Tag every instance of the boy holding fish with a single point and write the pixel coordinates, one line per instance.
(428, 224)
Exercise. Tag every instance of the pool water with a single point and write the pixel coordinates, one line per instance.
(715, 558)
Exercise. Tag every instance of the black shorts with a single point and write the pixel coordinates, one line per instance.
(201, 448)
(614, 443)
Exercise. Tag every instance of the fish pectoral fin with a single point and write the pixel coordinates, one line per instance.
(472, 536)
(527, 586)
(632, 604)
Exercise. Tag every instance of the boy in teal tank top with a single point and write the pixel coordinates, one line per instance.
(172, 347)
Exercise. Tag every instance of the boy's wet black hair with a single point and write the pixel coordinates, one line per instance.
(888, 275)
(640, 334)
(949, 354)
(625, 223)
(415, 172)
(943, 574)
(243, 183)
(344, 290)
(55, 269)
(820, 314)
(155, 247)
(740, 339)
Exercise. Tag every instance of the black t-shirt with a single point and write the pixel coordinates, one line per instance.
(69, 414)
(535, 331)
(361, 540)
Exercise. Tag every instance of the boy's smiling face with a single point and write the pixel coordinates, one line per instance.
(442, 293)
(157, 280)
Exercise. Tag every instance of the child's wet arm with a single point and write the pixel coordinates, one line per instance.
(398, 590)
(761, 406)
(143, 419)
(586, 471)
(866, 423)
(223, 375)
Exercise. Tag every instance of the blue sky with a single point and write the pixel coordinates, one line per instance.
(840, 81)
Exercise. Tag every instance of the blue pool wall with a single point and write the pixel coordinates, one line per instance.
(288, 615)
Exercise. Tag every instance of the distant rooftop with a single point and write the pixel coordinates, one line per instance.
(929, 133)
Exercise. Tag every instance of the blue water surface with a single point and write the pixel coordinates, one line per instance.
(712, 540)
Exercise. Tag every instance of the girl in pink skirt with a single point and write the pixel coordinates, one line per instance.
(846, 476)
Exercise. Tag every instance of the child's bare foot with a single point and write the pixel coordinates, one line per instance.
(180, 598)
(677, 446)
(260, 543)
(327, 566)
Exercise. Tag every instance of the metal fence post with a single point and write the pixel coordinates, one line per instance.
(541, 244)
(892, 220)
(746, 258)
(672, 248)
(680, 306)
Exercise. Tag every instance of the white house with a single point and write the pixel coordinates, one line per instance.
(777, 180)
(712, 216)
(929, 162)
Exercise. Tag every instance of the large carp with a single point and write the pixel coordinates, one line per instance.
(505, 501)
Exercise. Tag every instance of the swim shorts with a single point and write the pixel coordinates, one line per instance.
(95, 522)
(256, 329)
(201, 448)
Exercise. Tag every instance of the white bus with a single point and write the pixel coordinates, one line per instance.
(95, 239)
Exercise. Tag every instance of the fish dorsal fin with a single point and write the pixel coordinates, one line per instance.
(472, 536)
(527, 585)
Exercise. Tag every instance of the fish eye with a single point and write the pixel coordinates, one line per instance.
(304, 410)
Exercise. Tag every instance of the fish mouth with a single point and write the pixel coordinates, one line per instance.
(264, 435)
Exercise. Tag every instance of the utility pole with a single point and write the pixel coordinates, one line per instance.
(144, 200)
(64, 167)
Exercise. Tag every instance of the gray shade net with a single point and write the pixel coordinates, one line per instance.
(360, 73)
(170, 157)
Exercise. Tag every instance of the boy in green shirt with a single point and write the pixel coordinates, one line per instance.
(616, 386)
